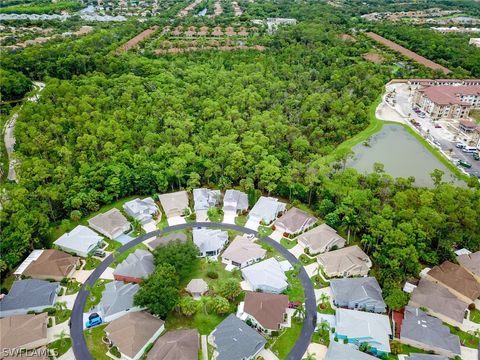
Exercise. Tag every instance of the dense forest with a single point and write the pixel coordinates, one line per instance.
(109, 126)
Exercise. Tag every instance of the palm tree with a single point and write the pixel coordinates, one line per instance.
(310, 356)
(324, 326)
(89, 289)
(60, 305)
(61, 336)
(324, 298)
(299, 313)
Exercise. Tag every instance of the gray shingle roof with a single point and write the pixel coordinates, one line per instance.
(235, 340)
(138, 264)
(425, 357)
(428, 330)
(337, 351)
(209, 239)
(29, 293)
(365, 289)
(117, 297)
(205, 198)
(235, 200)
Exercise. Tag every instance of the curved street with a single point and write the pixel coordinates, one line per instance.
(76, 322)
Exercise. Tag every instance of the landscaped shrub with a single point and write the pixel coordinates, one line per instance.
(212, 275)
(149, 347)
(50, 311)
(115, 352)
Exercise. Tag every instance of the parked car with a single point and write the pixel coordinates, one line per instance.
(464, 164)
(469, 149)
(476, 156)
(99, 253)
(422, 115)
(93, 320)
(460, 145)
(438, 126)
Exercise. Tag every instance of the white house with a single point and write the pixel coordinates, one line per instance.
(267, 276)
(142, 210)
(81, 241)
(265, 210)
(210, 242)
(205, 199)
(242, 252)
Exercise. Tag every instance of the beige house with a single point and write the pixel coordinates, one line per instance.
(457, 280)
(294, 221)
(321, 239)
(174, 204)
(242, 252)
(112, 224)
(23, 331)
(132, 333)
(471, 263)
(176, 345)
(349, 261)
(197, 287)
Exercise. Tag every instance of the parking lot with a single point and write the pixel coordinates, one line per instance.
(443, 134)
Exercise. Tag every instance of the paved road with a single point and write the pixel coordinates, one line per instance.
(76, 322)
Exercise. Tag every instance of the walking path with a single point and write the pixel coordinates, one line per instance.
(204, 347)
(76, 328)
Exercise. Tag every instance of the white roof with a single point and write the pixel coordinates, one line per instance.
(359, 324)
(34, 255)
(209, 239)
(267, 272)
(138, 264)
(80, 239)
(462, 252)
(205, 198)
(408, 288)
(267, 208)
(137, 206)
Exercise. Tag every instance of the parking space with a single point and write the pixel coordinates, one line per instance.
(176, 220)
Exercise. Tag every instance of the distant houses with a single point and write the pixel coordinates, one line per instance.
(23, 332)
(266, 312)
(176, 345)
(294, 221)
(428, 333)
(117, 300)
(174, 204)
(234, 202)
(265, 211)
(471, 263)
(132, 333)
(163, 240)
(111, 224)
(203, 200)
(321, 239)
(135, 268)
(362, 293)
(235, 340)
(48, 264)
(242, 252)
(349, 261)
(81, 241)
(210, 242)
(29, 295)
(142, 210)
(359, 327)
(267, 276)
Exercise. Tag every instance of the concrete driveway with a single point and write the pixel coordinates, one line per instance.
(469, 353)
(107, 274)
(277, 235)
(124, 239)
(56, 330)
(311, 269)
(202, 215)
(327, 291)
(267, 354)
(176, 220)
(82, 275)
(252, 224)
(150, 226)
(229, 217)
(317, 350)
(68, 299)
(297, 250)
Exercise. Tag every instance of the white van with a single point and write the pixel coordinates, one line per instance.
(469, 149)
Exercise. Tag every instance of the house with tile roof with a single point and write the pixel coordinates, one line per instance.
(136, 267)
(362, 293)
(23, 332)
(267, 276)
(133, 333)
(294, 221)
(117, 300)
(29, 295)
(243, 252)
(349, 261)
(321, 239)
(210, 242)
(235, 340)
(81, 241)
(267, 312)
(111, 224)
(176, 345)
(50, 264)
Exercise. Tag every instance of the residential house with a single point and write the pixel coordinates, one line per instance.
(81, 241)
(428, 333)
(413, 356)
(24, 332)
(267, 312)
(439, 302)
(337, 351)
(349, 261)
(197, 287)
(174, 204)
(163, 240)
(321, 239)
(136, 267)
(235, 202)
(242, 252)
(457, 280)
(267, 276)
(142, 210)
(357, 327)
(132, 333)
(235, 340)
(176, 345)
(210, 242)
(117, 300)
(265, 211)
(358, 293)
(29, 295)
(111, 224)
(203, 200)
(294, 221)
(48, 265)
(471, 263)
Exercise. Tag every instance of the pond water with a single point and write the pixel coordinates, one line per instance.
(402, 156)
(203, 12)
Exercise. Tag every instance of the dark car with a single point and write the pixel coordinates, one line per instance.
(464, 164)
(438, 126)
(476, 156)
(99, 253)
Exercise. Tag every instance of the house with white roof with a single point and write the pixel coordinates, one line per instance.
(357, 327)
(203, 200)
(112, 224)
(242, 252)
(81, 241)
(234, 202)
(142, 210)
(210, 242)
(265, 210)
(117, 300)
(267, 276)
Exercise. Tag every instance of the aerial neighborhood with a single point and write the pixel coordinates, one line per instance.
(248, 285)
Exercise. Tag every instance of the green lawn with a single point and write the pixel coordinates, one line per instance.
(96, 294)
(405, 349)
(285, 342)
(7, 282)
(91, 263)
(321, 337)
(466, 339)
(264, 231)
(163, 223)
(60, 346)
(73, 287)
(288, 244)
(112, 245)
(306, 260)
(475, 316)
(215, 215)
(203, 323)
(62, 316)
(123, 256)
(295, 288)
(327, 310)
(216, 266)
(97, 348)
(241, 220)
(475, 115)
(271, 251)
